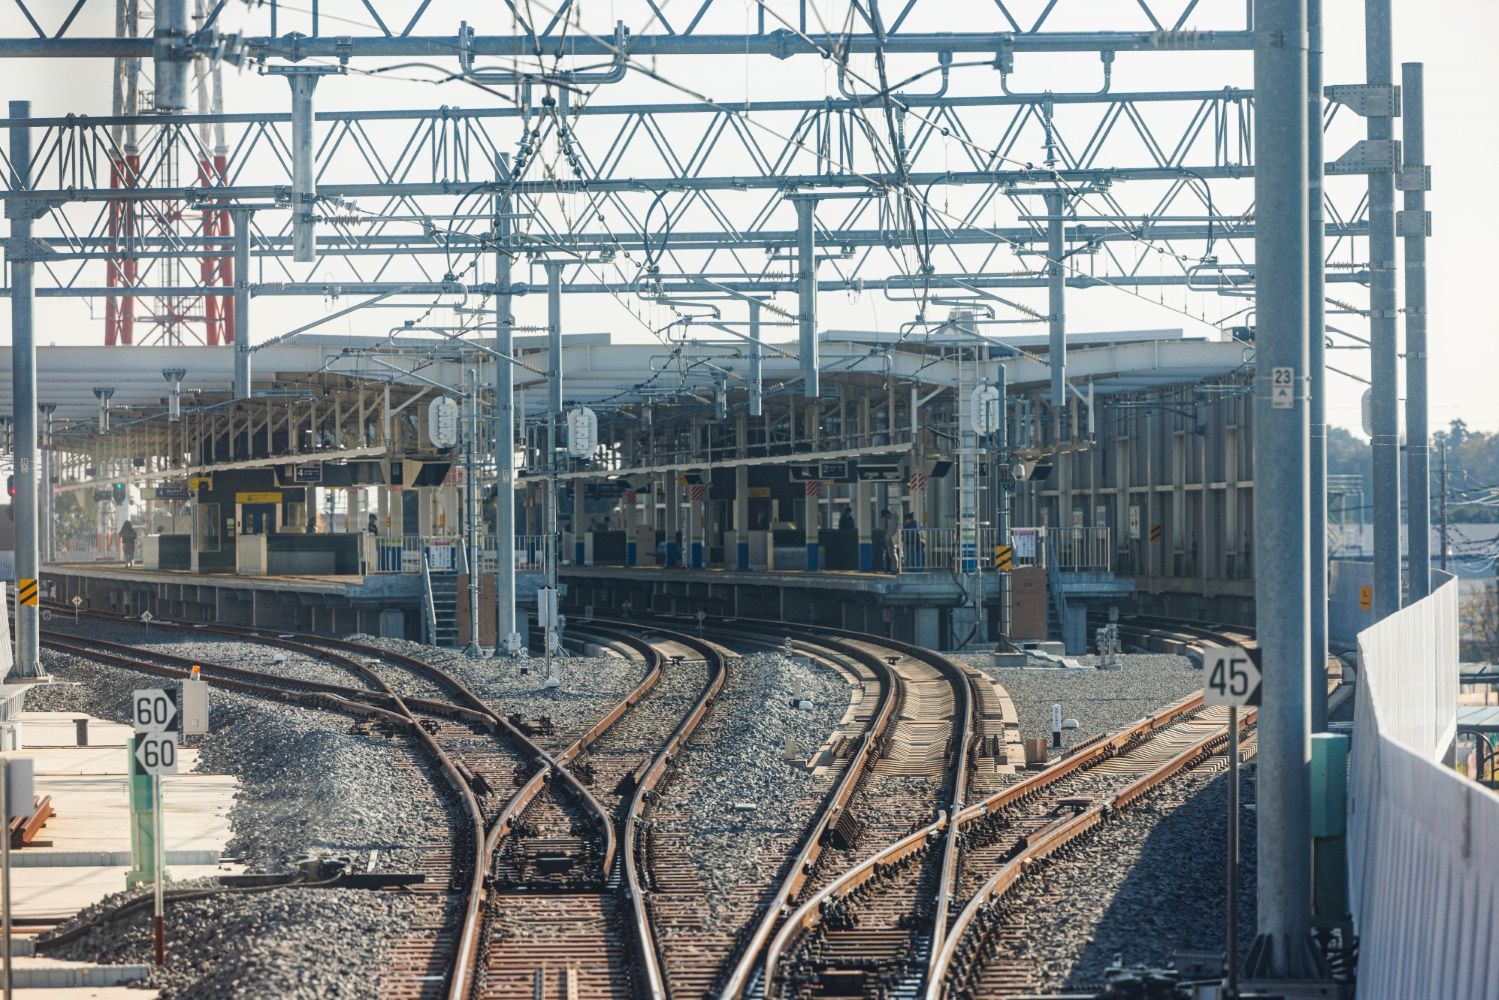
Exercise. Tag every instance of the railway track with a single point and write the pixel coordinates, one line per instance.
(919, 832)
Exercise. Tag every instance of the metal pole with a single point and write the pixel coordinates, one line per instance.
(48, 538)
(5, 881)
(806, 292)
(1444, 505)
(1057, 314)
(160, 922)
(303, 178)
(554, 407)
(169, 55)
(1281, 428)
(471, 512)
(1233, 851)
(504, 428)
(1002, 484)
(1317, 364)
(1414, 181)
(242, 220)
(23, 387)
(1384, 369)
(756, 363)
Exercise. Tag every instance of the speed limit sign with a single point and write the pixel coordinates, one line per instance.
(1230, 677)
(155, 753)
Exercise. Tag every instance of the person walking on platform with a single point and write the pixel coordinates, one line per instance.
(846, 520)
(127, 542)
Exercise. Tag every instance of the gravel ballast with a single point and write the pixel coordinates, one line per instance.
(733, 794)
(307, 785)
(1102, 701)
(289, 943)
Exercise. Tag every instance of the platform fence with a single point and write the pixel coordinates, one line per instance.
(1423, 884)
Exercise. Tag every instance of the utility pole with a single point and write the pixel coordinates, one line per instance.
(1283, 948)
(1444, 505)
(554, 407)
(1317, 364)
(23, 389)
(1384, 362)
(506, 635)
(1056, 284)
(1414, 224)
(471, 507)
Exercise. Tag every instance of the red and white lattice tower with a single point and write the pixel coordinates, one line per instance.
(161, 155)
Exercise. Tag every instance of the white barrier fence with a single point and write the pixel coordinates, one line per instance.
(1425, 890)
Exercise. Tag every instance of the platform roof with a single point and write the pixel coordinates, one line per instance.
(596, 370)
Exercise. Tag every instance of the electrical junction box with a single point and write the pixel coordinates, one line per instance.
(194, 708)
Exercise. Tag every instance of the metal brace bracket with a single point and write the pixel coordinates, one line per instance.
(1413, 177)
(1366, 100)
(1368, 156)
(1411, 223)
(31, 248)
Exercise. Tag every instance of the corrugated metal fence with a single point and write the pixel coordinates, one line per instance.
(1422, 837)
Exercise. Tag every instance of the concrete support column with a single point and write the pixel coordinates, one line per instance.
(242, 218)
(1056, 283)
(864, 521)
(628, 509)
(741, 514)
(673, 497)
(811, 515)
(580, 523)
(23, 388)
(1283, 948)
(806, 290)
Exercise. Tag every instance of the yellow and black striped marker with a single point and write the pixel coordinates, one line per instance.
(26, 591)
(1004, 558)
(1155, 532)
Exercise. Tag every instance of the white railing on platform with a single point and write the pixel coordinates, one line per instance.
(1422, 878)
(1082, 550)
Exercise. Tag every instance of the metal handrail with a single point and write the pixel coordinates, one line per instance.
(429, 608)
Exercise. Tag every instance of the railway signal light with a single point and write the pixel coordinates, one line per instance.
(10, 486)
(119, 492)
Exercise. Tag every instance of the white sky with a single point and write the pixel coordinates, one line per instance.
(1455, 39)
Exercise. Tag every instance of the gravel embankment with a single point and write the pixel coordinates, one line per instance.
(737, 758)
(307, 784)
(289, 943)
(1102, 701)
(1141, 888)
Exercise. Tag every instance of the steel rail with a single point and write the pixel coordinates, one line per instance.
(833, 807)
(649, 950)
(286, 689)
(1040, 845)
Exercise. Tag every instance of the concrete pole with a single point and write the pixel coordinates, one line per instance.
(23, 389)
(1001, 485)
(1383, 353)
(756, 363)
(504, 427)
(554, 408)
(48, 536)
(1281, 428)
(1417, 433)
(471, 506)
(806, 292)
(1317, 360)
(303, 177)
(242, 220)
(1057, 310)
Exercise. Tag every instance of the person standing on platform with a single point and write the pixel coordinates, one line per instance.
(127, 542)
(846, 520)
(913, 548)
(890, 541)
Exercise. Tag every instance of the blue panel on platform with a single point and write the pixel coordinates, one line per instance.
(813, 560)
(742, 555)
